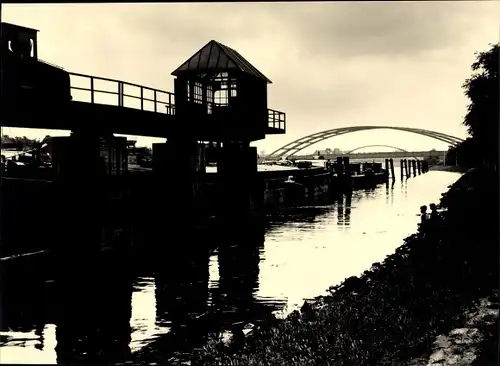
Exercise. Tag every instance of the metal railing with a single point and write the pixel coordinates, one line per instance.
(50, 64)
(276, 119)
(118, 91)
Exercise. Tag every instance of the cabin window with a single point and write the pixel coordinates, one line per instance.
(198, 93)
(221, 97)
(210, 99)
(188, 91)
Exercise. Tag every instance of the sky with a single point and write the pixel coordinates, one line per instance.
(333, 64)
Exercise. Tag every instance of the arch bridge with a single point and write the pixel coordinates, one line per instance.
(294, 147)
(367, 146)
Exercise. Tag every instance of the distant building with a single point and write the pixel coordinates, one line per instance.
(328, 151)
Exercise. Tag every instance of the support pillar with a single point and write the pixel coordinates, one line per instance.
(78, 178)
(178, 168)
(237, 179)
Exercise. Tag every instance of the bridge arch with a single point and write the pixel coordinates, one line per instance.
(295, 146)
(366, 146)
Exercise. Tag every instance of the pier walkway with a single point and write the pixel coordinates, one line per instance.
(114, 106)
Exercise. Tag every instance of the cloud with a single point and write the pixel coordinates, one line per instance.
(332, 64)
(358, 29)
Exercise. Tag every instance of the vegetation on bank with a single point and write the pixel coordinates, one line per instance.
(392, 313)
(482, 118)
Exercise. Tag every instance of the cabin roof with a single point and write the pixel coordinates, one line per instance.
(13, 26)
(216, 57)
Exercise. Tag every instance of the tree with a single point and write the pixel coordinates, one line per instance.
(482, 118)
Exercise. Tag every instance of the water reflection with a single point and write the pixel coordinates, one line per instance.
(93, 324)
(182, 295)
(233, 295)
(200, 284)
(347, 216)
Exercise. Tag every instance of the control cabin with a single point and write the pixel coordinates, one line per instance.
(222, 96)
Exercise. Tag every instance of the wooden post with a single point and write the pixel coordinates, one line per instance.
(391, 164)
(401, 165)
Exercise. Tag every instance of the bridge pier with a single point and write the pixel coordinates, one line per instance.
(79, 195)
(179, 170)
(82, 166)
(239, 190)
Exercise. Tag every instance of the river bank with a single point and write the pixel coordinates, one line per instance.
(448, 168)
(394, 311)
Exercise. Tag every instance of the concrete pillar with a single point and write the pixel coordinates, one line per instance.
(78, 179)
(237, 179)
(178, 168)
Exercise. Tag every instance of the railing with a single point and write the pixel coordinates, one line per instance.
(147, 99)
(50, 64)
(276, 119)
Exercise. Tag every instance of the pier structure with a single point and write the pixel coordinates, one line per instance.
(220, 108)
(221, 102)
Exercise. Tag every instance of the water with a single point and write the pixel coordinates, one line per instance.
(300, 255)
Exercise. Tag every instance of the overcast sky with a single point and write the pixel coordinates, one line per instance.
(332, 64)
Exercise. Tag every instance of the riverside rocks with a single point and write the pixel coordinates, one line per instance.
(395, 310)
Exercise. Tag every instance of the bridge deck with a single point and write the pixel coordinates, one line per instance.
(113, 106)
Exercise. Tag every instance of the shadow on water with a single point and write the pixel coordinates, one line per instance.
(195, 284)
(197, 302)
(86, 305)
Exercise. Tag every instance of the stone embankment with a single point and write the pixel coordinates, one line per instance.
(431, 302)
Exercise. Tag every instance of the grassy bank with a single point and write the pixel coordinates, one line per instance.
(393, 312)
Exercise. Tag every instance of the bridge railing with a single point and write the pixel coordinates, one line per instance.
(93, 89)
(276, 119)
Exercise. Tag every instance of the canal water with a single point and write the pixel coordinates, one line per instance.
(299, 255)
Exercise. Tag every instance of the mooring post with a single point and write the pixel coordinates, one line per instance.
(425, 166)
(414, 163)
(338, 166)
(391, 164)
(347, 175)
(401, 166)
(387, 169)
(419, 167)
(406, 169)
